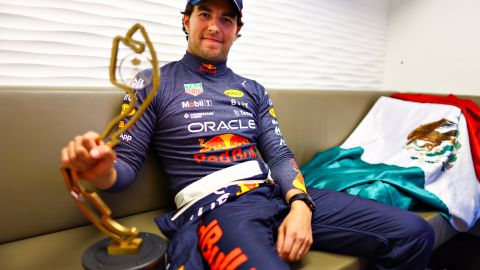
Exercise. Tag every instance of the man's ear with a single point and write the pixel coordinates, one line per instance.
(186, 23)
(238, 31)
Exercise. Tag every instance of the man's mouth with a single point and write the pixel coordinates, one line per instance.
(214, 40)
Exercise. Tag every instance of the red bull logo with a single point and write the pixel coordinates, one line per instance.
(230, 144)
(221, 142)
(208, 68)
(244, 188)
(217, 259)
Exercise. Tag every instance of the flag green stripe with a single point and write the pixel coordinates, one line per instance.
(343, 170)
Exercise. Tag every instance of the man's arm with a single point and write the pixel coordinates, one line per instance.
(114, 169)
(295, 233)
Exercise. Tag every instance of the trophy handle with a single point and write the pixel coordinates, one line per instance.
(124, 239)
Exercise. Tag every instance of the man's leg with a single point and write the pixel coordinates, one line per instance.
(388, 237)
(240, 233)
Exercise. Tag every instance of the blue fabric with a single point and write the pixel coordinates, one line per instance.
(389, 238)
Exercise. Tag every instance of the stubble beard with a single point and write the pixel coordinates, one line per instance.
(209, 53)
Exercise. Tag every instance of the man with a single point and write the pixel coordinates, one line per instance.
(205, 125)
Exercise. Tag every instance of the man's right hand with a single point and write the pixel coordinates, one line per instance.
(91, 158)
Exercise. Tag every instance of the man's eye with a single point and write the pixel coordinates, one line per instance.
(203, 14)
(227, 20)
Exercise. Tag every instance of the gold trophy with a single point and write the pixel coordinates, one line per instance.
(124, 248)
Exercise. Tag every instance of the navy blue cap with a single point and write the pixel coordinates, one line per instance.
(237, 3)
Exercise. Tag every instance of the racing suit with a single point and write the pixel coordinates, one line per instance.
(205, 118)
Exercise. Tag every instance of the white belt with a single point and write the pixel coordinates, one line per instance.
(214, 181)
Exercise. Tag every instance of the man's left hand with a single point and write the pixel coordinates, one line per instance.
(295, 232)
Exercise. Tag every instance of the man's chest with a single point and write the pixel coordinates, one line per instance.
(198, 109)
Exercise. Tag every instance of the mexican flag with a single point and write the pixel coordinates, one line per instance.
(411, 155)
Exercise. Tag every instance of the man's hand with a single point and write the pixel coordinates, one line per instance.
(295, 232)
(91, 159)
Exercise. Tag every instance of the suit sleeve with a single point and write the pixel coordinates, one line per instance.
(134, 142)
(273, 148)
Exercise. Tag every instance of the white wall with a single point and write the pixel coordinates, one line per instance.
(434, 46)
(320, 44)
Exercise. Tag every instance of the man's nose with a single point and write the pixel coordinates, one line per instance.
(213, 25)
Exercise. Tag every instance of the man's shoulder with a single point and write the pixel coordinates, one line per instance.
(247, 81)
(169, 66)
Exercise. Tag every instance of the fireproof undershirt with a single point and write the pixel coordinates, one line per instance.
(204, 118)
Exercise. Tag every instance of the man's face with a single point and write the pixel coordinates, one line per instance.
(212, 28)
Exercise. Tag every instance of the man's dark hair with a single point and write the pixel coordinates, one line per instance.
(188, 11)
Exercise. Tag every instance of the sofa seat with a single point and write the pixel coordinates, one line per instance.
(64, 249)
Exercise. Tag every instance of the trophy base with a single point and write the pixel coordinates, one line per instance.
(150, 256)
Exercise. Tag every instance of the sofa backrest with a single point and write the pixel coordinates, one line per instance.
(37, 122)
(312, 120)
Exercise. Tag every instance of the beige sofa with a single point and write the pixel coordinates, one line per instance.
(42, 228)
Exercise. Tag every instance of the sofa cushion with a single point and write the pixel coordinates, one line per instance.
(64, 249)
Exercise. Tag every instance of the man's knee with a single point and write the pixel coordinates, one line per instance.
(422, 230)
(419, 240)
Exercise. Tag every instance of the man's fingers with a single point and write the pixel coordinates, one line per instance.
(89, 141)
(280, 239)
(76, 154)
(91, 135)
(103, 151)
(302, 251)
(292, 244)
(73, 160)
(91, 158)
(291, 251)
(64, 156)
(70, 158)
(71, 151)
(288, 242)
(81, 152)
(294, 251)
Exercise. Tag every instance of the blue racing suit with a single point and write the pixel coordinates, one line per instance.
(206, 118)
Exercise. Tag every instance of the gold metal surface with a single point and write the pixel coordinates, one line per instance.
(124, 239)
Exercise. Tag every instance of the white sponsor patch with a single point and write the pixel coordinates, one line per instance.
(198, 115)
(222, 125)
(197, 103)
(126, 137)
